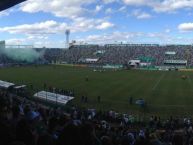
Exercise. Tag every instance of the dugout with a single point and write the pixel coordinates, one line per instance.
(53, 97)
(20, 90)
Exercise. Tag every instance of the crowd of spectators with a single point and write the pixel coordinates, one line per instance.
(53, 54)
(112, 54)
(25, 122)
(121, 54)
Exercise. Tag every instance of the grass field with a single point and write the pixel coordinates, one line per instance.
(165, 92)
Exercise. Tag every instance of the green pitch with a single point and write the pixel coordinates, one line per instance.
(166, 93)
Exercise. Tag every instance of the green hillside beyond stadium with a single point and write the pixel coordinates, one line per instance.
(166, 92)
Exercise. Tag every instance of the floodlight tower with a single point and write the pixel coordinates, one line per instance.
(67, 37)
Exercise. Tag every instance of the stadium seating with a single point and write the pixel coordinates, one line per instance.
(24, 122)
(113, 54)
(121, 54)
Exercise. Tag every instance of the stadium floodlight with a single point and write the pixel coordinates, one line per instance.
(67, 37)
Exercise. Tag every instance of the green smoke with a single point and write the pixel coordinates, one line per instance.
(22, 54)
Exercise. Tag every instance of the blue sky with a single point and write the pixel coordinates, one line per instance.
(44, 22)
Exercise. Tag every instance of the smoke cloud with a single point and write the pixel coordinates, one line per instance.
(21, 54)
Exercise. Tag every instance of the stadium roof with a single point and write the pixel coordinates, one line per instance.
(5, 4)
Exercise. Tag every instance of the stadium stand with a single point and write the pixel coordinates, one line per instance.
(155, 55)
(121, 54)
(25, 122)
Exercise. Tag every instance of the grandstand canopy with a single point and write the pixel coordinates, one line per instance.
(53, 97)
(5, 4)
(5, 85)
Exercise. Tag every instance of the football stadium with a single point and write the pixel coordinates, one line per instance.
(107, 72)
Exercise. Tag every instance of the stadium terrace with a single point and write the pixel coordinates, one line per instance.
(130, 55)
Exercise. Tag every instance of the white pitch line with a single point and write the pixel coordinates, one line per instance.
(157, 83)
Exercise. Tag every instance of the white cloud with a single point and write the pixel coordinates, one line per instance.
(4, 13)
(172, 5)
(59, 8)
(98, 8)
(109, 1)
(109, 11)
(80, 24)
(77, 8)
(167, 30)
(37, 37)
(83, 24)
(37, 43)
(115, 37)
(185, 27)
(140, 14)
(136, 37)
(112, 37)
(136, 2)
(105, 25)
(162, 5)
(47, 27)
(15, 41)
(122, 9)
(144, 15)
